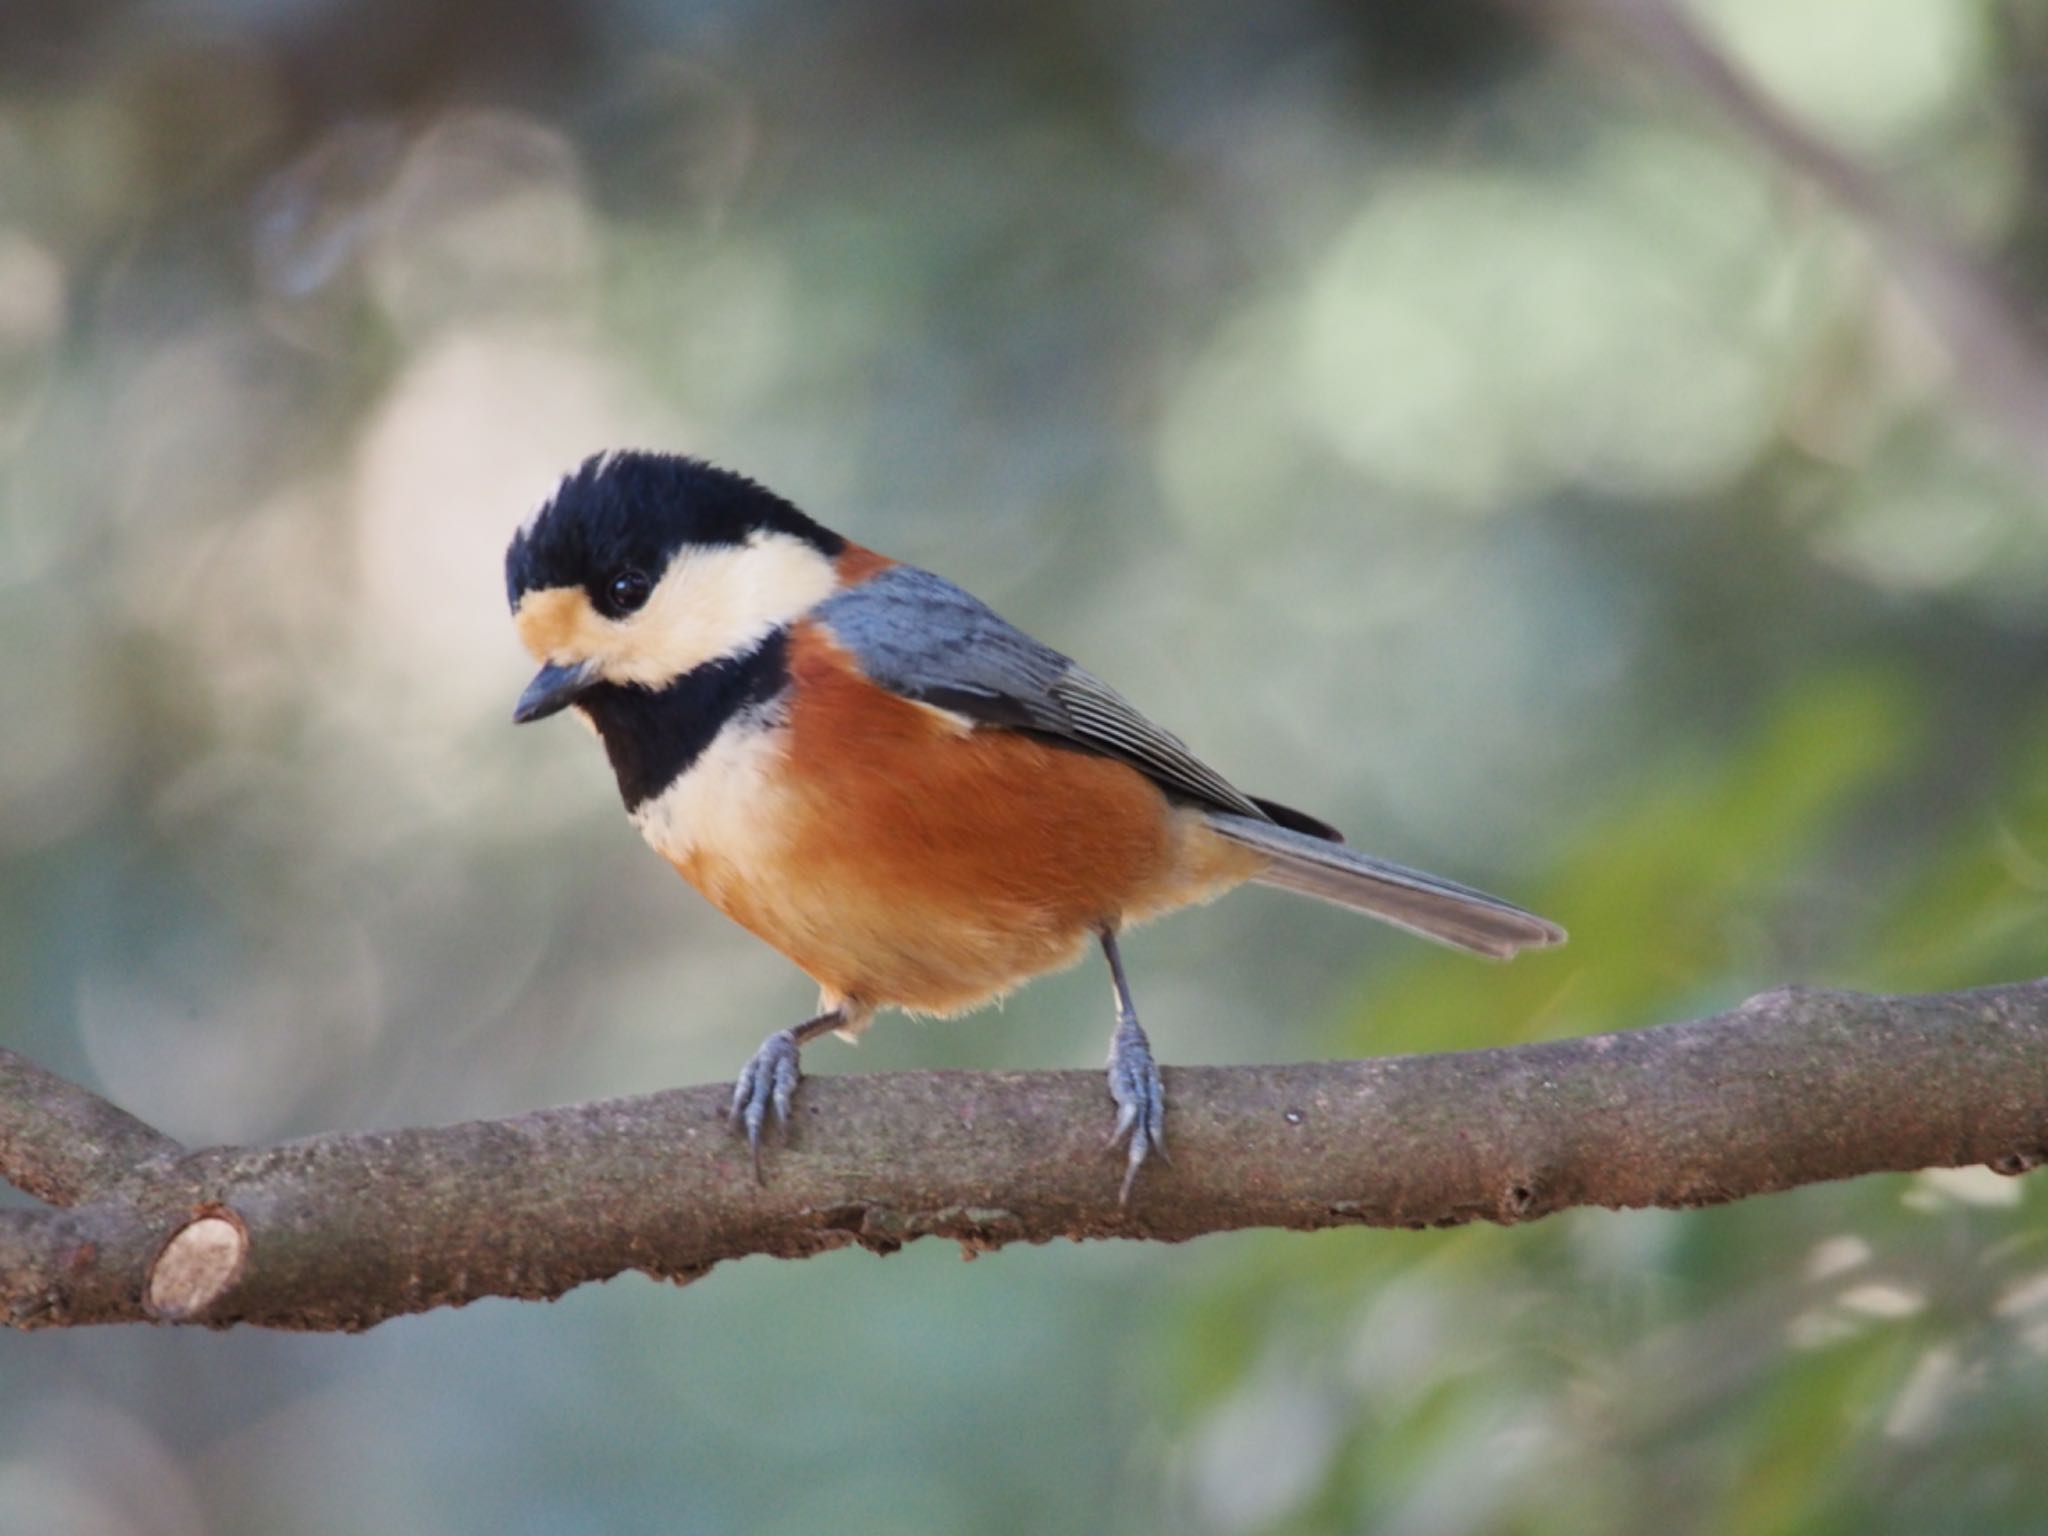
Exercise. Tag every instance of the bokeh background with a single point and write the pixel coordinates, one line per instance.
(1495, 428)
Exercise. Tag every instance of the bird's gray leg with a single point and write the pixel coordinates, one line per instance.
(767, 1083)
(1133, 1078)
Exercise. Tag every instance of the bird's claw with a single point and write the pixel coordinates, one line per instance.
(764, 1090)
(1140, 1102)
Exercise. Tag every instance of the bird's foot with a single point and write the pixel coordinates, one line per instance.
(1140, 1100)
(762, 1095)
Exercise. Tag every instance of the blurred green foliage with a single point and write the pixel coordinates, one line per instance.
(1439, 418)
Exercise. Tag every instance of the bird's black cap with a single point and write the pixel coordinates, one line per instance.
(633, 510)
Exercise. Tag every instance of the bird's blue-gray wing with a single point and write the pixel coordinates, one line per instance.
(920, 636)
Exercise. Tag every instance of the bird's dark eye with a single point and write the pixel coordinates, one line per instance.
(628, 590)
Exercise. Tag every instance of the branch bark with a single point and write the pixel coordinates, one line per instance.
(343, 1231)
(64, 1145)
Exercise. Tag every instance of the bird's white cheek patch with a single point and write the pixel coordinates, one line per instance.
(718, 602)
(725, 811)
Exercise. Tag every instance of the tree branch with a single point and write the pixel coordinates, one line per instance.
(342, 1231)
(63, 1144)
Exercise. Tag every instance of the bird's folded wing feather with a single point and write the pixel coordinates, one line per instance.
(920, 636)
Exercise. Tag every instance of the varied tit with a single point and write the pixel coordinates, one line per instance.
(914, 800)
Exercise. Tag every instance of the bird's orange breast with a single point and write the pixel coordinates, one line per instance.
(905, 858)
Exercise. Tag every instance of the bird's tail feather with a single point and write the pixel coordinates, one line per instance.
(1423, 904)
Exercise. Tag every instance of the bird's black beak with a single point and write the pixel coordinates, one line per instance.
(553, 689)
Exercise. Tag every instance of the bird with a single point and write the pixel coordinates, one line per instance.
(911, 798)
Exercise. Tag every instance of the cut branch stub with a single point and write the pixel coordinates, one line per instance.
(200, 1264)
